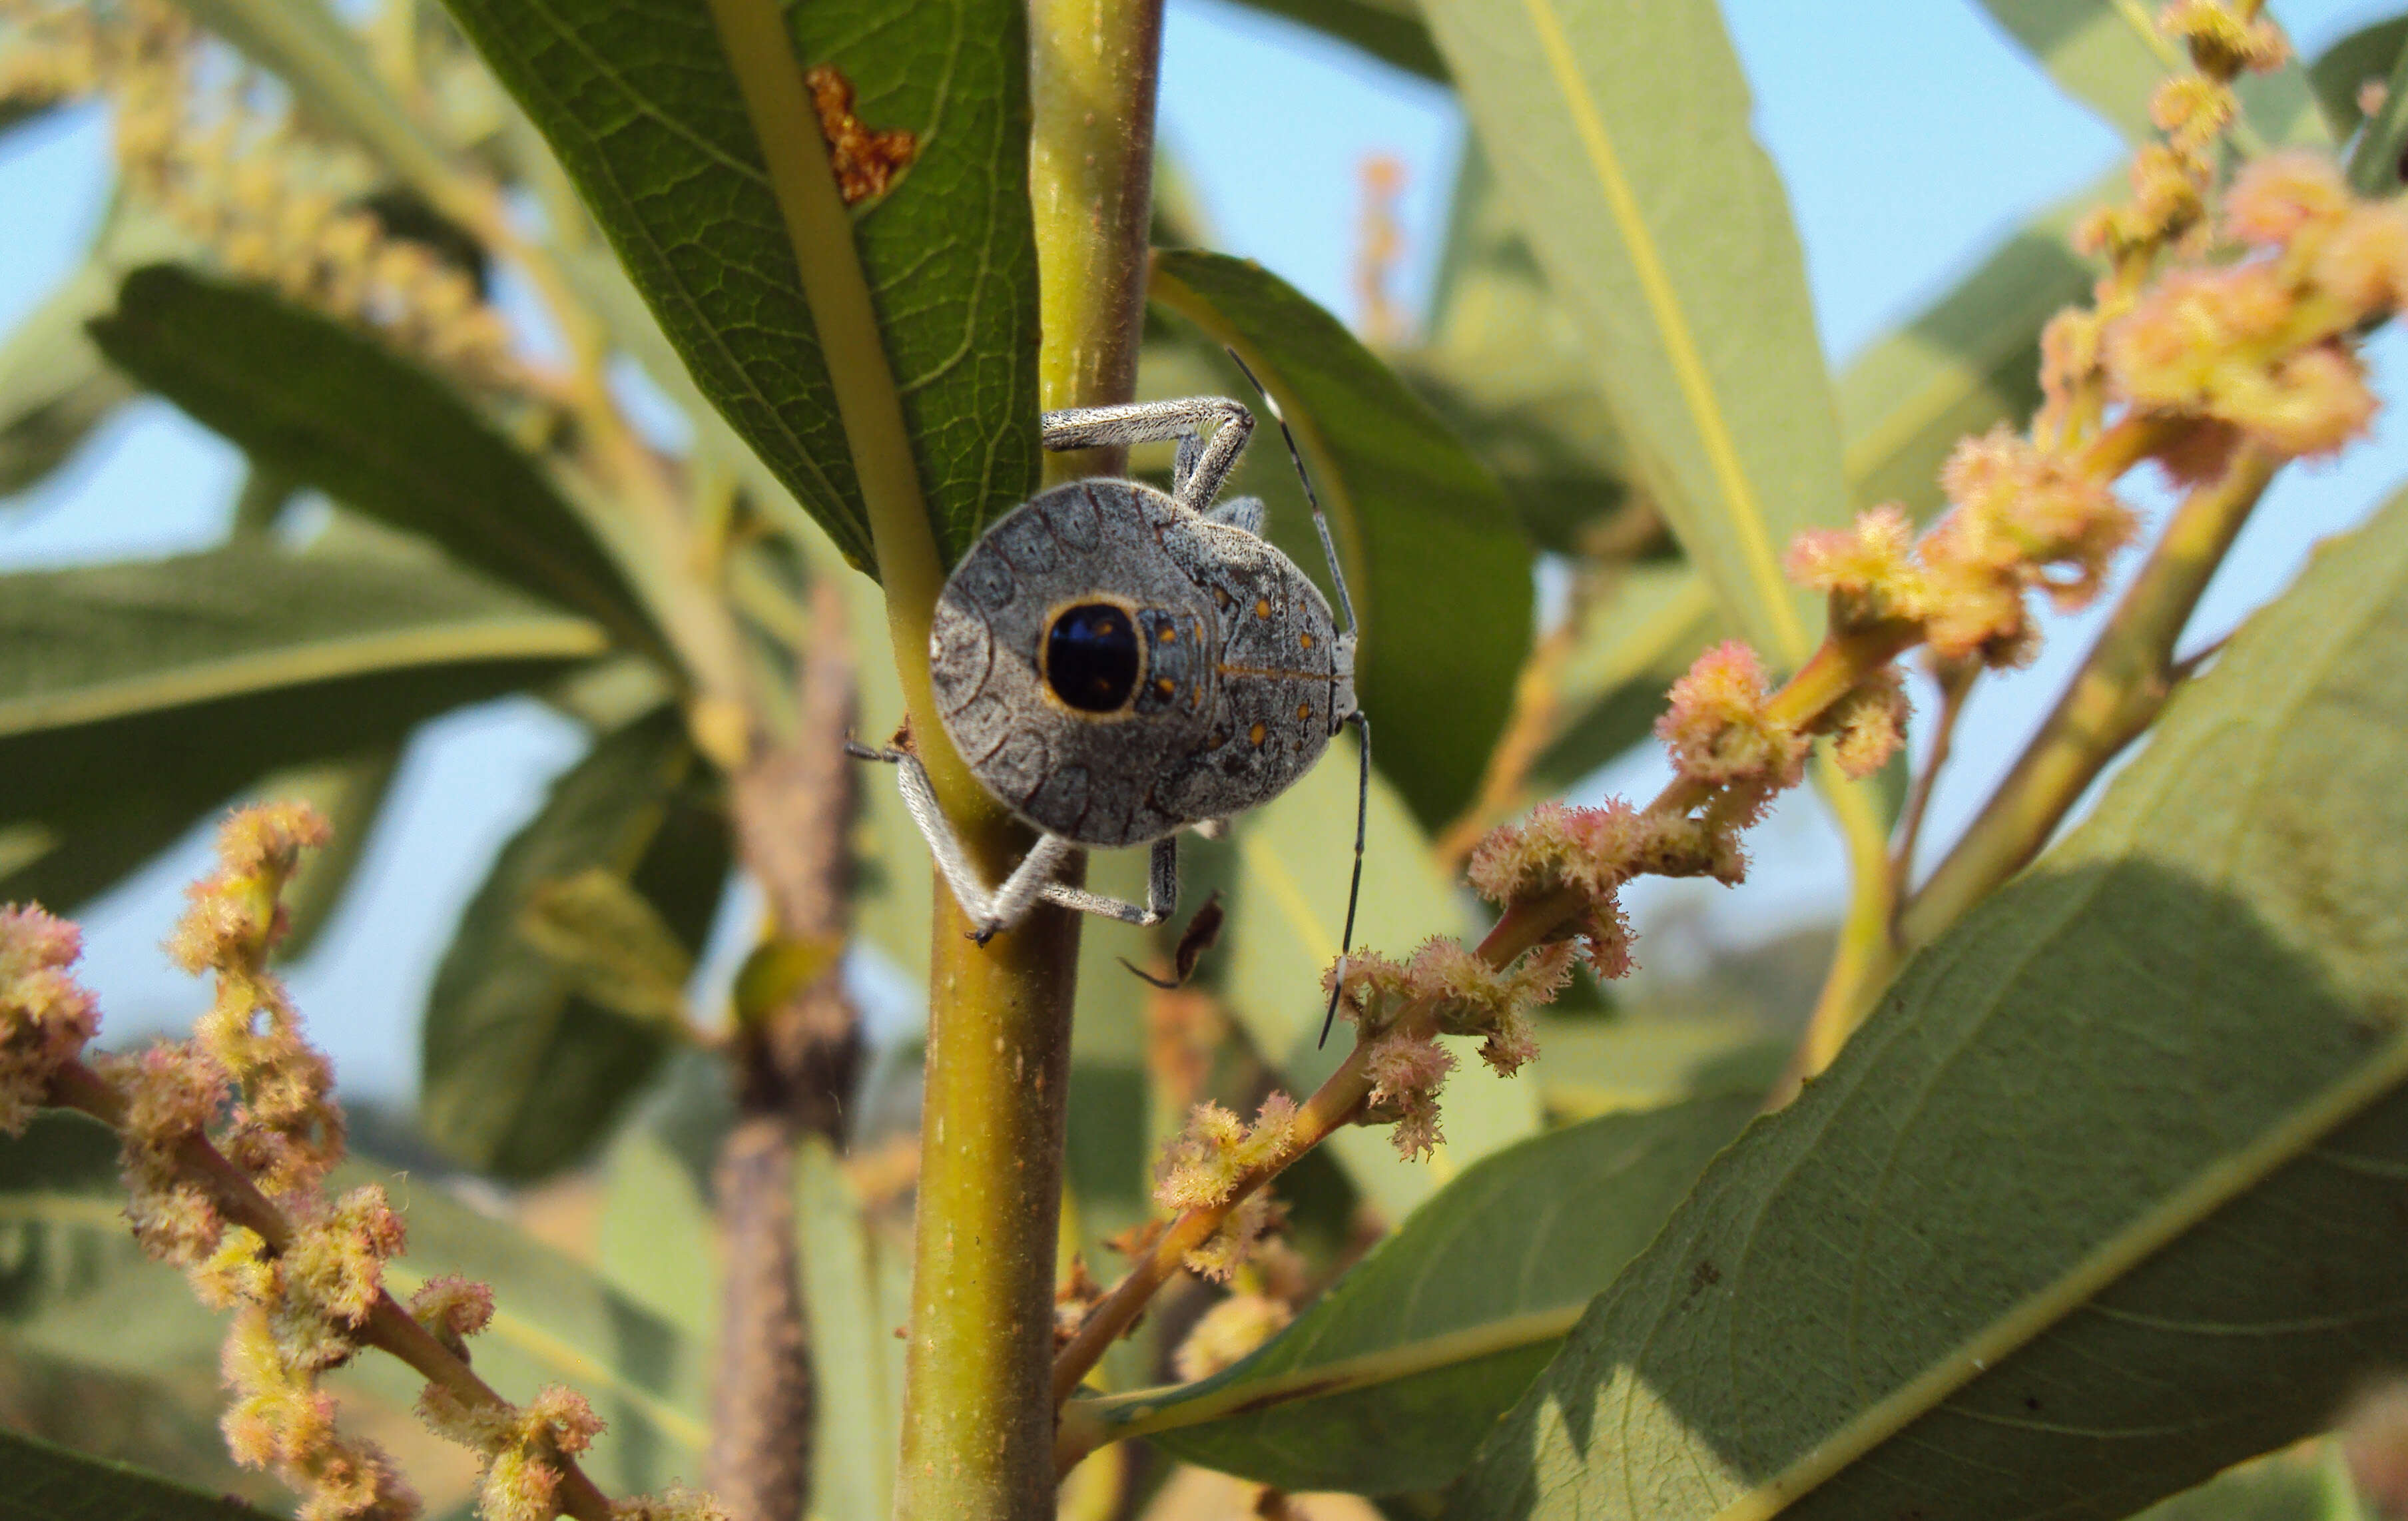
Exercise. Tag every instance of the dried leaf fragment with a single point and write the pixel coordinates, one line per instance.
(865, 161)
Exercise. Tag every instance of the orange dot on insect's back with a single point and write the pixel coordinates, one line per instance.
(1165, 635)
(1256, 733)
(1163, 685)
(1262, 607)
(1304, 710)
(1305, 639)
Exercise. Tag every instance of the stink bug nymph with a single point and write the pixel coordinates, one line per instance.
(1116, 663)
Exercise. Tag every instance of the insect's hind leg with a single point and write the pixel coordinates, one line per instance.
(1161, 891)
(1203, 464)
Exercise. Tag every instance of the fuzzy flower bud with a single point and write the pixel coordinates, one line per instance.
(46, 1016)
(672, 1504)
(453, 1308)
(1407, 1072)
(1228, 1332)
(1869, 569)
(1203, 1167)
(2023, 519)
(1717, 730)
(2277, 197)
(2221, 43)
(337, 1263)
(1220, 1258)
(1869, 724)
(232, 919)
(1589, 851)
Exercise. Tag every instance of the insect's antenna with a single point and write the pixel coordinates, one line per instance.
(1354, 888)
(1320, 524)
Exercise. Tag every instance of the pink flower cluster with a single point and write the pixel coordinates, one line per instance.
(2265, 344)
(1400, 1010)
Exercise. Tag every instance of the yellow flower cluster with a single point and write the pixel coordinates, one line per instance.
(268, 201)
(46, 1016)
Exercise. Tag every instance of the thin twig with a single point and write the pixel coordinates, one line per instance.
(389, 1327)
(1955, 683)
(795, 1063)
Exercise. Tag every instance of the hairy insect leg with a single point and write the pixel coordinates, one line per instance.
(1161, 891)
(1203, 464)
(996, 910)
(993, 910)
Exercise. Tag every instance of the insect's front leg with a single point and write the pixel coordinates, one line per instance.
(992, 912)
(1161, 891)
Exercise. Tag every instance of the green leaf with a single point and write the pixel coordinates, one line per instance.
(2339, 72)
(332, 407)
(1388, 30)
(1389, 1381)
(42, 1482)
(133, 697)
(54, 387)
(2110, 56)
(2308, 1482)
(1283, 872)
(636, 98)
(524, 1073)
(1506, 368)
(654, 1242)
(1439, 572)
(1620, 135)
(2099, 1201)
(856, 1291)
(1643, 1062)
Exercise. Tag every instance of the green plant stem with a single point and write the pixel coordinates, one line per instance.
(389, 1327)
(2115, 695)
(976, 1439)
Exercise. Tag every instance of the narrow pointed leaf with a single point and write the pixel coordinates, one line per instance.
(1388, 30)
(330, 406)
(1439, 572)
(2104, 1198)
(39, 1482)
(1620, 133)
(1389, 1381)
(54, 387)
(524, 1074)
(2110, 56)
(134, 697)
(638, 100)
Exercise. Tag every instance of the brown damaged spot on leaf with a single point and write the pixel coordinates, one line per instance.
(865, 161)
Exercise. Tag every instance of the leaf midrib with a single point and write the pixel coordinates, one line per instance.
(1671, 323)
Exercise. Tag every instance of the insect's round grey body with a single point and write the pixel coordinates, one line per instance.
(1243, 675)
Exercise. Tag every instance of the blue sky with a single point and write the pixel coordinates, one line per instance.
(1911, 135)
